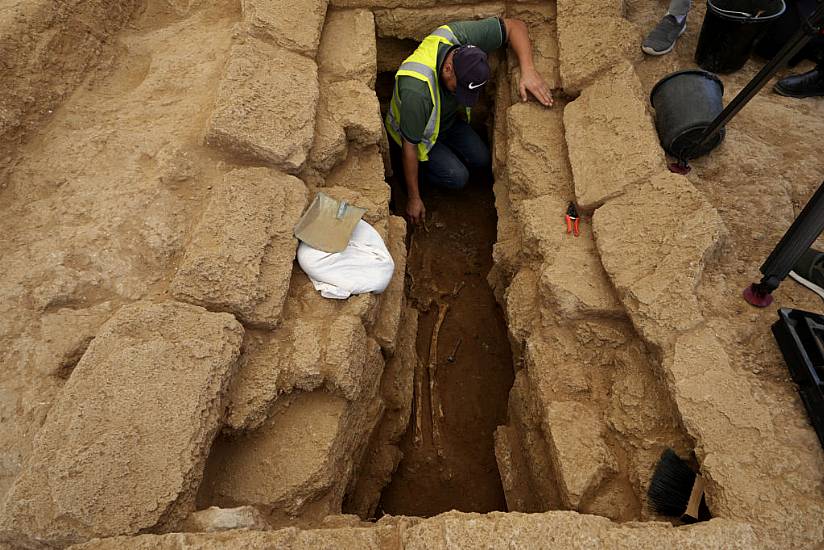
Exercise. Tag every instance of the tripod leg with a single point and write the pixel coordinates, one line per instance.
(802, 233)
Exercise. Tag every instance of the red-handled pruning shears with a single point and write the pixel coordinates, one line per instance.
(572, 219)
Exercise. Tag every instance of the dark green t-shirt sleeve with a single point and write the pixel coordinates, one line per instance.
(416, 107)
(488, 34)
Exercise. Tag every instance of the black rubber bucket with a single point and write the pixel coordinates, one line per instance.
(730, 30)
(685, 104)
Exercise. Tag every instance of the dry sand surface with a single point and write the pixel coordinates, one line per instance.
(171, 379)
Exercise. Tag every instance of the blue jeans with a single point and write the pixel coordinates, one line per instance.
(457, 151)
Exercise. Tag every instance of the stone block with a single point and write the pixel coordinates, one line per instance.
(418, 23)
(575, 284)
(741, 446)
(304, 354)
(266, 105)
(532, 13)
(536, 153)
(542, 227)
(241, 254)
(348, 50)
(123, 448)
(298, 463)
(460, 530)
(611, 138)
(581, 456)
(214, 519)
(570, 530)
(279, 22)
(593, 38)
(655, 266)
(521, 307)
(348, 112)
(392, 299)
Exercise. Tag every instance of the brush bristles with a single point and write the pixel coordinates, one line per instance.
(669, 490)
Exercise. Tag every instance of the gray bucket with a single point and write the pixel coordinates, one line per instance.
(686, 103)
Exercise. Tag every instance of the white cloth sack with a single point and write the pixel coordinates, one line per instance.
(363, 266)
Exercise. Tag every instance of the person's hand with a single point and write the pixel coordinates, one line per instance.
(534, 83)
(415, 210)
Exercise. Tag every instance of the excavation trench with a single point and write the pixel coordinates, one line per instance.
(465, 367)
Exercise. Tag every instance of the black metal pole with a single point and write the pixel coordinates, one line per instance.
(802, 233)
(808, 30)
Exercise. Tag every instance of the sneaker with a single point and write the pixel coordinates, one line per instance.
(809, 84)
(809, 271)
(662, 38)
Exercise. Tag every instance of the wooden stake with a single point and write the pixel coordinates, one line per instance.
(418, 390)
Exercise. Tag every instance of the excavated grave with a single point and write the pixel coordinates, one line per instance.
(612, 140)
(153, 375)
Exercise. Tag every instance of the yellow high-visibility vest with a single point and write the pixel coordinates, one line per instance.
(423, 65)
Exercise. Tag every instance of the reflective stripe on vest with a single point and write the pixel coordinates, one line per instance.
(422, 64)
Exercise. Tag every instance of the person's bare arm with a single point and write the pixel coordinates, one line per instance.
(531, 80)
(414, 205)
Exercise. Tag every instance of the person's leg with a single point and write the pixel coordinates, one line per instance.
(809, 84)
(662, 38)
(443, 168)
(468, 146)
(680, 9)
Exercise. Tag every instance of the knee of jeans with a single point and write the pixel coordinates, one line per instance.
(456, 177)
(481, 162)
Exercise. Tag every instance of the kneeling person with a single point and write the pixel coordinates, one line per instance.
(446, 72)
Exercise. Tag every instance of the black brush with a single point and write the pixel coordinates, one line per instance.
(675, 490)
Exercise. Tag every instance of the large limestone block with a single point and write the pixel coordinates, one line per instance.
(536, 152)
(611, 138)
(348, 50)
(570, 530)
(593, 38)
(241, 255)
(575, 285)
(581, 456)
(299, 462)
(391, 306)
(655, 265)
(123, 448)
(305, 353)
(348, 112)
(278, 21)
(542, 227)
(266, 105)
(392, 52)
(460, 530)
(290, 538)
(418, 23)
(742, 448)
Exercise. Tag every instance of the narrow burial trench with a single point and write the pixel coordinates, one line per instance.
(448, 451)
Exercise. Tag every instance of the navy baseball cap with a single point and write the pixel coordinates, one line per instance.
(472, 71)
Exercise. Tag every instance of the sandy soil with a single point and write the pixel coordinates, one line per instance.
(95, 208)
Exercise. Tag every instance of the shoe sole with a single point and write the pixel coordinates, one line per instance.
(786, 93)
(808, 284)
(650, 51)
